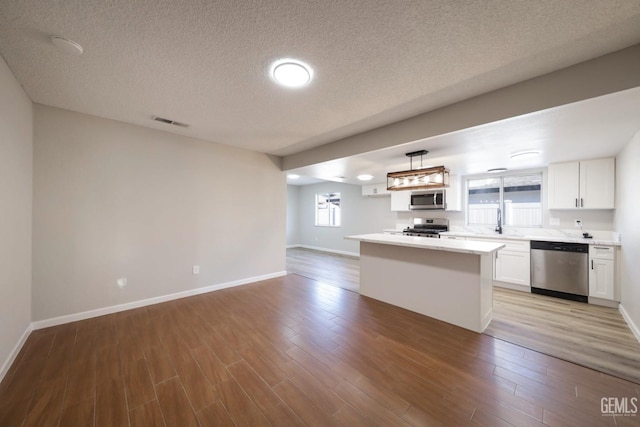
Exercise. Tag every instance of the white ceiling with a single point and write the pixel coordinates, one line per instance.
(205, 62)
(598, 127)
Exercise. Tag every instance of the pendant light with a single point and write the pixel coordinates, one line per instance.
(418, 179)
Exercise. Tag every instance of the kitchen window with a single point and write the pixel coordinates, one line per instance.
(518, 196)
(328, 210)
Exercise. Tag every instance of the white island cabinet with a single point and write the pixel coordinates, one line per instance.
(450, 280)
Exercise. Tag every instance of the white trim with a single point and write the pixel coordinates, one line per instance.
(149, 301)
(14, 353)
(634, 328)
(292, 246)
(333, 251)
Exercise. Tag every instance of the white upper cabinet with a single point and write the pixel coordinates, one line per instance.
(400, 200)
(588, 184)
(454, 194)
(375, 190)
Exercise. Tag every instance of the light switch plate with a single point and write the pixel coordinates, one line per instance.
(196, 269)
(577, 223)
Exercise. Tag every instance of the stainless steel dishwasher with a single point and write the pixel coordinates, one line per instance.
(560, 269)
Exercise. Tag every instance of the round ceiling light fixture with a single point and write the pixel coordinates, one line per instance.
(365, 177)
(67, 45)
(525, 154)
(497, 170)
(291, 73)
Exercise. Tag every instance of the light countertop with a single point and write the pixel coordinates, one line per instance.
(461, 246)
(546, 238)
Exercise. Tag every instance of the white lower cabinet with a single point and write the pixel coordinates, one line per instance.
(513, 267)
(602, 272)
(513, 263)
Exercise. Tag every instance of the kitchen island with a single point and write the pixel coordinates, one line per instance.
(449, 280)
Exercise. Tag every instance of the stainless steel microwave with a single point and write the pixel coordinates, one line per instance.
(428, 200)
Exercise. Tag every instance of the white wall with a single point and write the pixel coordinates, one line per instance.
(626, 222)
(293, 234)
(114, 200)
(16, 191)
(359, 215)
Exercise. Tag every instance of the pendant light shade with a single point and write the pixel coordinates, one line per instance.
(418, 179)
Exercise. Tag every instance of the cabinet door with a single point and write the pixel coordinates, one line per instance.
(601, 278)
(400, 200)
(454, 194)
(564, 185)
(597, 186)
(513, 267)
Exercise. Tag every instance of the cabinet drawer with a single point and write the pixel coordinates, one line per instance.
(601, 252)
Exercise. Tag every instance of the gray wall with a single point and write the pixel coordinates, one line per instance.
(626, 221)
(16, 150)
(359, 215)
(115, 200)
(293, 232)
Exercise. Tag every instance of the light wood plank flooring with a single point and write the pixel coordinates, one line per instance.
(292, 351)
(592, 336)
(337, 270)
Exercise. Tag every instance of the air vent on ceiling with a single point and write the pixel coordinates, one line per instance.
(170, 122)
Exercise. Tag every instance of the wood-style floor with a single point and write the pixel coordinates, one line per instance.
(592, 336)
(333, 269)
(292, 351)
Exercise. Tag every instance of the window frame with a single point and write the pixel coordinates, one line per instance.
(501, 177)
(316, 210)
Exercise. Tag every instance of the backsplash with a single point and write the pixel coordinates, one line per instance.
(542, 232)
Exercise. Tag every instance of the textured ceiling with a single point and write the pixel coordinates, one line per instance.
(205, 63)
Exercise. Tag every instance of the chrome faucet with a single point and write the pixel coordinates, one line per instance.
(499, 221)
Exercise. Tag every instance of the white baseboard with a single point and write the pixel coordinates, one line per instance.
(40, 324)
(634, 328)
(14, 353)
(333, 251)
(292, 246)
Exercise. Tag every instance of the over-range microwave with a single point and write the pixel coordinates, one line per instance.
(428, 200)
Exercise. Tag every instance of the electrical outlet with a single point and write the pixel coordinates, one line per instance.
(122, 282)
(577, 223)
(554, 221)
(196, 269)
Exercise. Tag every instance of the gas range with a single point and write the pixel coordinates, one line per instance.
(427, 227)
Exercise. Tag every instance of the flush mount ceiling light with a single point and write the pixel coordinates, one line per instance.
(497, 170)
(291, 73)
(365, 177)
(67, 45)
(293, 176)
(418, 179)
(525, 154)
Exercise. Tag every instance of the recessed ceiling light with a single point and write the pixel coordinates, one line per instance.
(525, 154)
(365, 177)
(293, 176)
(291, 73)
(67, 45)
(496, 170)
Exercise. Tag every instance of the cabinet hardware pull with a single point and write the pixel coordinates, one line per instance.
(581, 202)
(576, 202)
(600, 247)
(592, 264)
